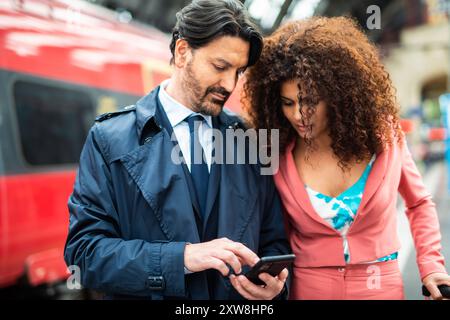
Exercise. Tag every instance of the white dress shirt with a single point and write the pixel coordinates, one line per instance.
(177, 113)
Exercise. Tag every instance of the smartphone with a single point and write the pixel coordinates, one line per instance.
(444, 289)
(272, 265)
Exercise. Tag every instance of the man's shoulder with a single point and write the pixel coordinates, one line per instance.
(233, 120)
(116, 131)
(109, 115)
(117, 123)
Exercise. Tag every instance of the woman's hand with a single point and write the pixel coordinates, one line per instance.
(433, 280)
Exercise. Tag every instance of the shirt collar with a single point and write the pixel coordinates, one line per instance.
(176, 112)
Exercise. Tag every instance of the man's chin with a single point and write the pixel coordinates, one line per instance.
(213, 108)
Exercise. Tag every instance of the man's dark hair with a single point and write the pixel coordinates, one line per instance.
(203, 21)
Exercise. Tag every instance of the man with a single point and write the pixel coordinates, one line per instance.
(146, 226)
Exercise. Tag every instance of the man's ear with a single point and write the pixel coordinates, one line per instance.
(182, 53)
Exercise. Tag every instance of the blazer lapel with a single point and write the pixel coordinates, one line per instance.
(187, 174)
(375, 179)
(297, 187)
(237, 198)
(238, 188)
(162, 183)
(301, 197)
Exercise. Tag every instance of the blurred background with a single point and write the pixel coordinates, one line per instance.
(64, 62)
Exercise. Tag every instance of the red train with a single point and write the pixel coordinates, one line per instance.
(61, 64)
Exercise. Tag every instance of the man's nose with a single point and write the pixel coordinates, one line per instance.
(228, 82)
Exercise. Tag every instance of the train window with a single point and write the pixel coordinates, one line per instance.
(53, 122)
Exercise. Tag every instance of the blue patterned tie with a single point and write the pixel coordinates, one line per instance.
(199, 167)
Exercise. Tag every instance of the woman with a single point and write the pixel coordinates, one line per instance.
(343, 161)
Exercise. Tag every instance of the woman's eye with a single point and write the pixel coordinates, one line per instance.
(286, 103)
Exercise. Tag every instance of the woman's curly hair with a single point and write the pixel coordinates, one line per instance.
(334, 62)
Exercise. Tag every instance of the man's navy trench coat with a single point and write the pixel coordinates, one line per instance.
(131, 212)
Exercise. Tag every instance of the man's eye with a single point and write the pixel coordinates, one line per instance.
(218, 68)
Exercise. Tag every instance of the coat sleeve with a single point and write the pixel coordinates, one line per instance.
(422, 216)
(273, 239)
(107, 262)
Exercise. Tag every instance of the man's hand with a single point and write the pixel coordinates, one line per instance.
(216, 254)
(433, 280)
(251, 291)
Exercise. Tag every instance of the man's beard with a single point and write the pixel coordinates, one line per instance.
(199, 97)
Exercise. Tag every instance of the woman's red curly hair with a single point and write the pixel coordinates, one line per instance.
(334, 62)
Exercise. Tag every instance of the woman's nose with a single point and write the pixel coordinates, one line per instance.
(297, 113)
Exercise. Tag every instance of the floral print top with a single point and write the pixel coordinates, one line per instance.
(340, 211)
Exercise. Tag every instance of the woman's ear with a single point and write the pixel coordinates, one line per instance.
(182, 52)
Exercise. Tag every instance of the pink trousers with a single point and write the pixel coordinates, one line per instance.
(374, 281)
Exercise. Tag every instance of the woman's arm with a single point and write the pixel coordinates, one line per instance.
(422, 216)
(423, 220)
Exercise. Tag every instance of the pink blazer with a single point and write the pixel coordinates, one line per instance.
(373, 234)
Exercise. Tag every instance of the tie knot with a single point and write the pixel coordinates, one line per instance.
(191, 120)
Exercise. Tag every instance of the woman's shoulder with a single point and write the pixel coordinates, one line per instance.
(396, 143)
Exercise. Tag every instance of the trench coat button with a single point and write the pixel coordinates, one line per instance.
(156, 283)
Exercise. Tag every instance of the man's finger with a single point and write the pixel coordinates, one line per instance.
(219, 265)
(283, 275)
(243, 290)
(225, 239)
(239, 289)
(274, 285)
(269, 280)
(251, 288)
(230, 258)
(248, 256)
